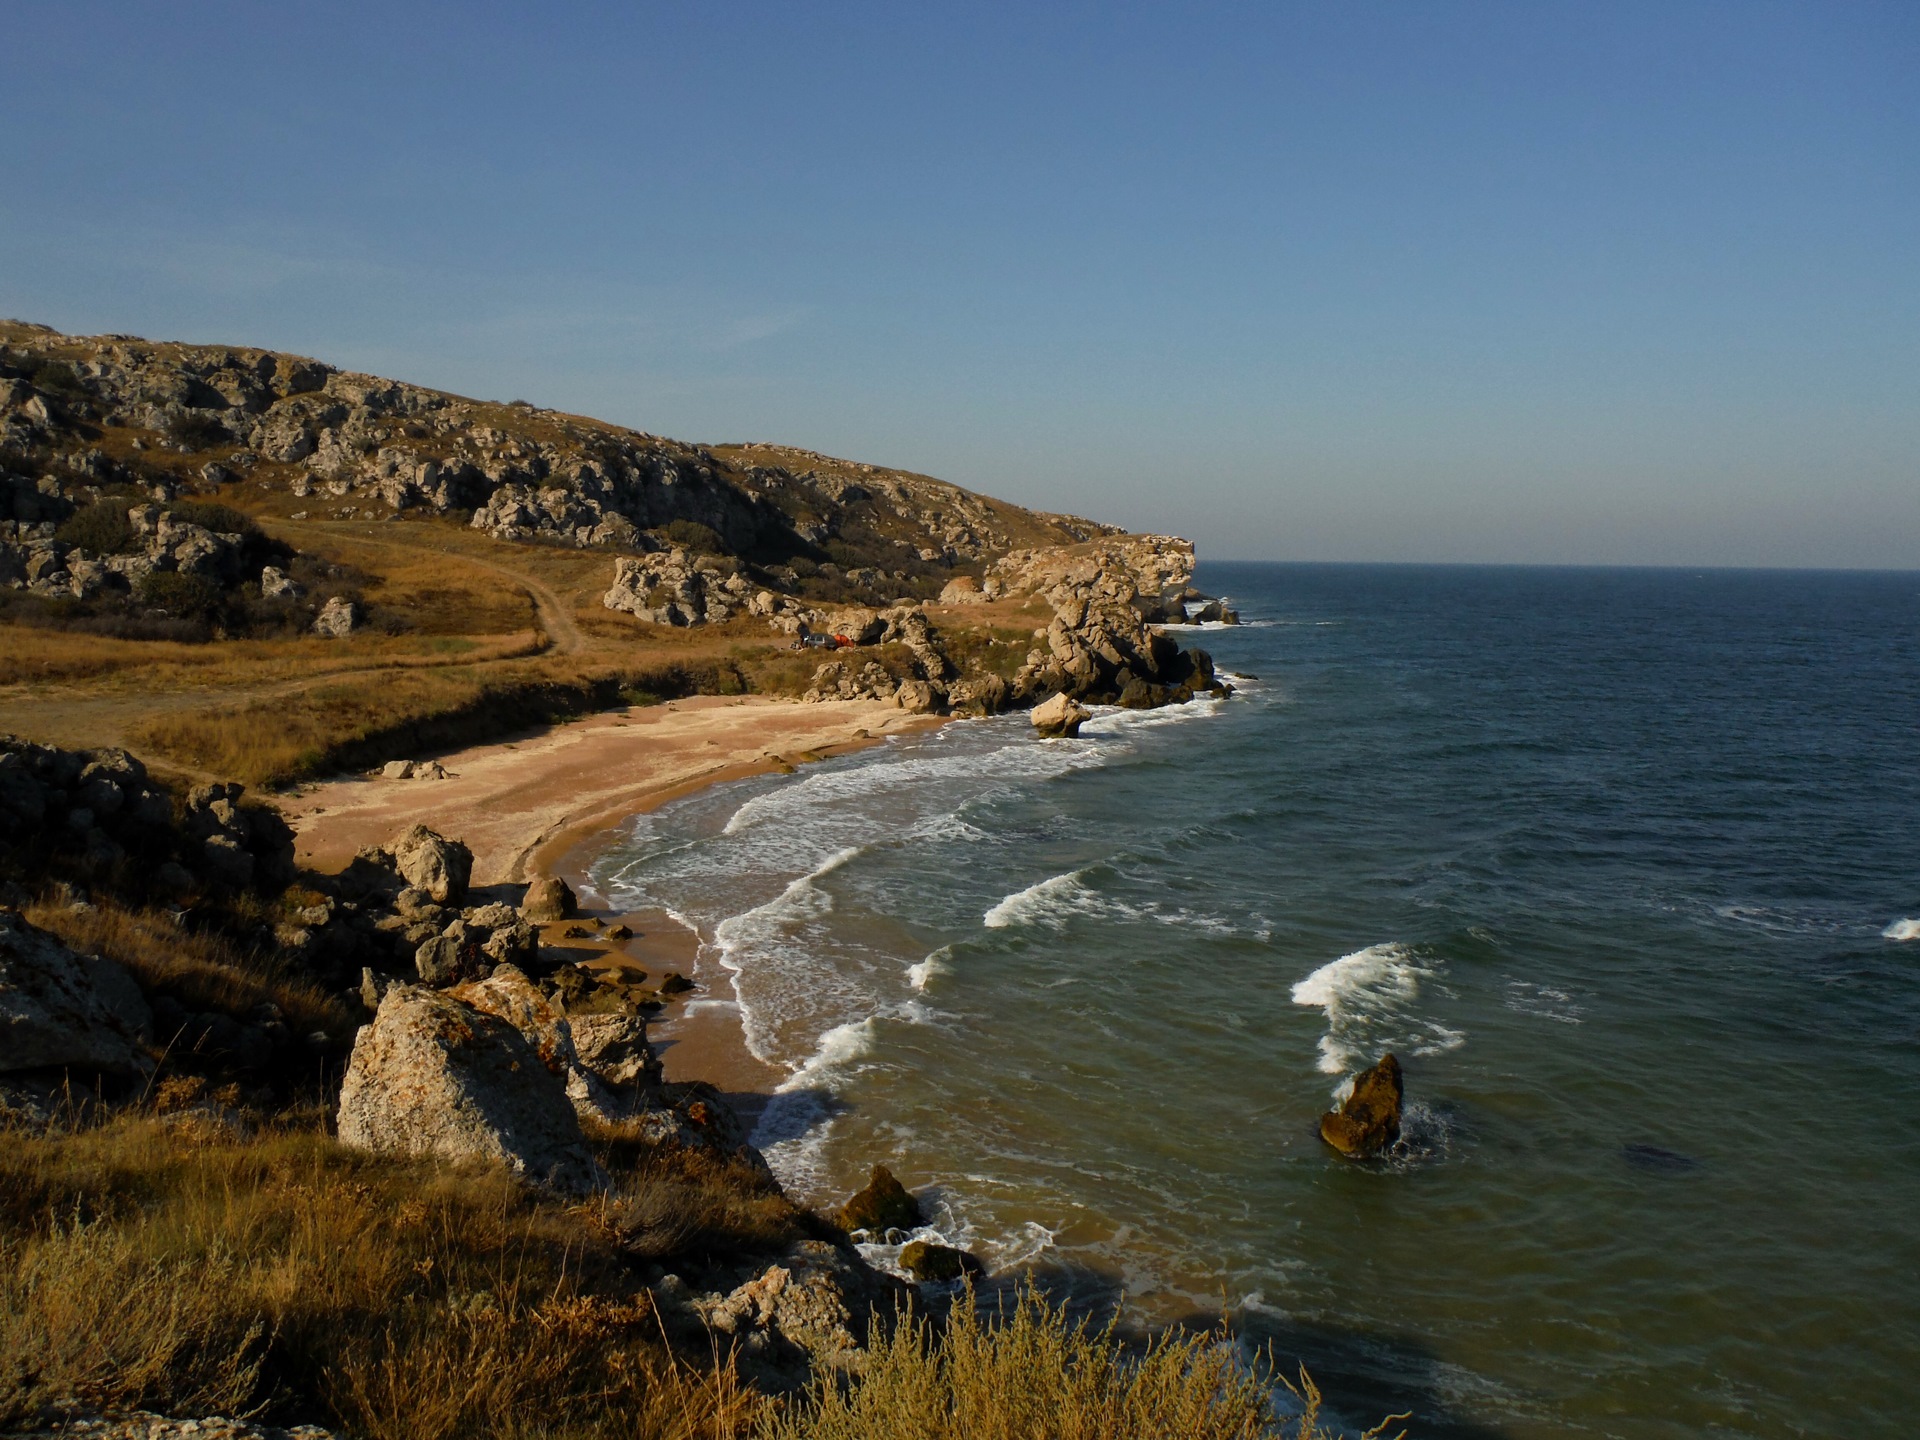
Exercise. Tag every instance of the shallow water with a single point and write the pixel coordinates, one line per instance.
(1623, 865)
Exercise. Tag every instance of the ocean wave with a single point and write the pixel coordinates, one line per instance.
(1054, 902)
(1902, 930)
(933, 965)
(1367, 996)
(1049, 903)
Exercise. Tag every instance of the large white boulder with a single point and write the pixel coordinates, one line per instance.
(433, 1075)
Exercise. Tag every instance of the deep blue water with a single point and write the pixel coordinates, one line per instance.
(1614, 861)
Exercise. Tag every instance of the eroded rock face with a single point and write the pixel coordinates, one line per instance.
(883, 1205)
(1059, 717)
(1369, 1120)
(433, 1075)
(433, 863)
(62, 1010)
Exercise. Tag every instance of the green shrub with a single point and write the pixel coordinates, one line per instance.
(221, 518)
(57, 377)
(695, 536)
(191, 597)
(101, 528)
(196, 431)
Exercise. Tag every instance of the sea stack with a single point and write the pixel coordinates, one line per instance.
(1369, 1121)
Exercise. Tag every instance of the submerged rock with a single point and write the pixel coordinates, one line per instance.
(1369, 1121)
(883, 1205)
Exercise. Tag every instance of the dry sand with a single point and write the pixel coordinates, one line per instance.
(540, 804)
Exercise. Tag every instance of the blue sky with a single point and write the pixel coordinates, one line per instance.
(1622, 283)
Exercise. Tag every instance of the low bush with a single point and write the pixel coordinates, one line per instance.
(180, 595)
(196, 431)
(101, 528)
(694, 536)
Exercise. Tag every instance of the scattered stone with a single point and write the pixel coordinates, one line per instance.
(883, 1205)
(674, 983)
(1059, 717)
(619, 932)
(937, 1264)
(397, 770)
(433, 1075)
(1369, 1121)
(337, 619)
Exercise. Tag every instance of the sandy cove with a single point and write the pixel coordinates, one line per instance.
(521, 804)
(541, 805)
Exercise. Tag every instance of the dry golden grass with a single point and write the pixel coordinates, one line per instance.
(154, 1262)
(204, 970)
(1035, 1375)
(32, 656)
(146, 1263)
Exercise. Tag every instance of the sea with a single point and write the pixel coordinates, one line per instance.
(1623, 865)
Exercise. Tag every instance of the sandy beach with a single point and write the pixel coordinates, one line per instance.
(539, 804)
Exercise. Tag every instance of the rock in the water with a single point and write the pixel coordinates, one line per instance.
(433, 863)
(337, 619)
(884, 1205)
(435, 1076)
(62, 1009)
(547, 899)
(1369, 1121)
(926, 1261)
(1059, 717)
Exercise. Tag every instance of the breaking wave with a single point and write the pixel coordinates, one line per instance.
(1368, 998)
(1902, 930)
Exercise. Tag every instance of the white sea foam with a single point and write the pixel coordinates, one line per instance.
(1902, 930)
(1367, 997)
(934, 965)
(1049, 902)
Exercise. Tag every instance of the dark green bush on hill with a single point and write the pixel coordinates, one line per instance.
(196, 431)
(695, 536)
(101, 528)
(184, 597)
(223, 519)
(56, 377)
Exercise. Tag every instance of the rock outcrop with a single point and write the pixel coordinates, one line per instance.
(1368, 1121)
(433, 1075)
(91, 812)
(59, 1010)
(812, 1310)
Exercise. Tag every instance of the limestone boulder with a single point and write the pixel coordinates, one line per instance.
(433, 1075)
(431, 862)
(337, 619)
(548, 898)
(62, 1010)
(1059, 718)
(1368, 1121)
(814, 1309)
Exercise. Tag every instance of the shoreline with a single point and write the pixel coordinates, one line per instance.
(545, 803)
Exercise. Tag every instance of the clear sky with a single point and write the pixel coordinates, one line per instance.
(1535, 281)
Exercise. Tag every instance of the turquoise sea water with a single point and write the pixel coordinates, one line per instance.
(1624, 866)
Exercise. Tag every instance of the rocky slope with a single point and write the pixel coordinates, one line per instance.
(81, 415)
